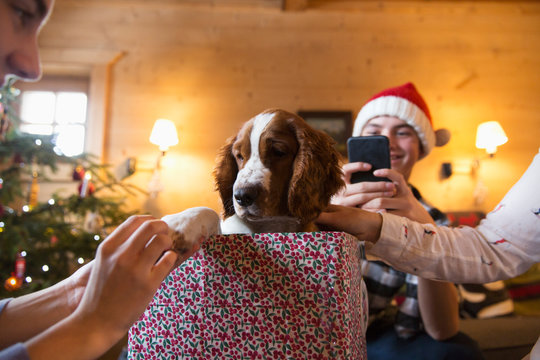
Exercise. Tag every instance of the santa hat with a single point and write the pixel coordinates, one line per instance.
(405, 103)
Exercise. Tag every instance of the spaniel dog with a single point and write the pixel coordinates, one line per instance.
(276, 175)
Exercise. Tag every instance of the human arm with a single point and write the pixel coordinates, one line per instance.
(439, 307)
(439, 253)
(504, 245)
(27, 316)
(437, 300)
(129, 266)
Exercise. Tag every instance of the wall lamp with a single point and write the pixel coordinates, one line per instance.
(164, 135)
(489, 135)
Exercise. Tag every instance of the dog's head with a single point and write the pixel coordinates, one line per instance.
(277, 166)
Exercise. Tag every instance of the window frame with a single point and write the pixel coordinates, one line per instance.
(57, 84)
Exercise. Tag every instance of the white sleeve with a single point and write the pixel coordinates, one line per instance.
(505, 244)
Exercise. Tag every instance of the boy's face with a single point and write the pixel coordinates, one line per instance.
(20, 23)
(404, 142)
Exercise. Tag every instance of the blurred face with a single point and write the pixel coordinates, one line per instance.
(404, 142)
(20, 23)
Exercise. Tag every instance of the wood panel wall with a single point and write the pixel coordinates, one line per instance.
(209, 68)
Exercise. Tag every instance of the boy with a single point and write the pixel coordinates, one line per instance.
(427, 320)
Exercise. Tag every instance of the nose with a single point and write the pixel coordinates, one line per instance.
(24, 61)
(391, 138)
(246, 196)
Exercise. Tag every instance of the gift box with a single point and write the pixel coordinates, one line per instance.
(260, 296)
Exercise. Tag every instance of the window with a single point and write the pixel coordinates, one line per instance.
(54, 106)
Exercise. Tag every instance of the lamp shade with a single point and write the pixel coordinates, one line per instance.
(489, 135)
(164, 134)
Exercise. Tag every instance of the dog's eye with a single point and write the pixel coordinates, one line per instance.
(277, 152)
(239, 157)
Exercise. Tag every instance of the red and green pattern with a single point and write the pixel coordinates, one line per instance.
(260, 296)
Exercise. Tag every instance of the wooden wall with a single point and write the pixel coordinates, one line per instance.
(211, 67)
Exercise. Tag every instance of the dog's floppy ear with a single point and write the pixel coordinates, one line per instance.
(225, 174)
(317, 173)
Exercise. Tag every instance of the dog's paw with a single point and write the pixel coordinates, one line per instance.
(187, 227)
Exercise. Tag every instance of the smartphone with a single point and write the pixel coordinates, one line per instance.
(374, 150)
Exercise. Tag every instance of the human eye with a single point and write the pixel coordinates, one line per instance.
(404, 132)
(23, 14)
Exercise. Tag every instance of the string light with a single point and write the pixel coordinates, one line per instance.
(80, 260)
(97, 237)
(28, 279)
(23, 253)
(45, 268)
(38, 142)
(51, 201)
(12, 283)
(26, 208)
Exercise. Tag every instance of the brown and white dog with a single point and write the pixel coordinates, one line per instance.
(276, 175)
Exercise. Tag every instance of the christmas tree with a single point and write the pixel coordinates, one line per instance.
(43, 243)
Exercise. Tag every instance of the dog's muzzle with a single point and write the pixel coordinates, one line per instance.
(246, 196)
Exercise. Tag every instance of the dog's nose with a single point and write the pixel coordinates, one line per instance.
(246, 196)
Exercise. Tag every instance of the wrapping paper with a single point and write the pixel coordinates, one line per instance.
(260, 296)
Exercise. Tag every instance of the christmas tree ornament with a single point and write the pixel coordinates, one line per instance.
(33, 192)
(15, 281)
(18, 160)
(78, 173)
(49, 232)
(20, 266)
(86, 187)
(4, 122)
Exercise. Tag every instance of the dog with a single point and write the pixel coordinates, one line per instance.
(275, 175)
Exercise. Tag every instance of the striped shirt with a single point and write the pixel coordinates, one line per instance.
(385, 285)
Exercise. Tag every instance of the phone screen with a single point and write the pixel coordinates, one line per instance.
(374, 150)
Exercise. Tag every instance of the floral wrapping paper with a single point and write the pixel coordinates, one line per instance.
(260, 296)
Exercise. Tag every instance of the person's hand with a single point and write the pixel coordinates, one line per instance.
(361, 193)
(402, 203)
(129, 266)
(362, 224)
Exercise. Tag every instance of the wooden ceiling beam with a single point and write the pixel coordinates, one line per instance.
(294, 5)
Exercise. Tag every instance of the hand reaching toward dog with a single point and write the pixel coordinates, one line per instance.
(118, 285)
